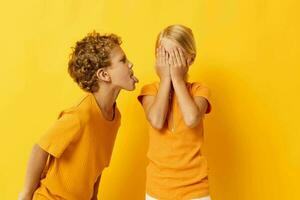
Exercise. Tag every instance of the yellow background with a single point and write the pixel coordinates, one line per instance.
(248, 53)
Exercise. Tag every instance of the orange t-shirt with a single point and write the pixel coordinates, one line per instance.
(80, 144)
(177, 170)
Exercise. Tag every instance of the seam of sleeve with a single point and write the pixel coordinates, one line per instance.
(48, 148)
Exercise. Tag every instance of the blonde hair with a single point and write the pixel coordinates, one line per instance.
(180, 34)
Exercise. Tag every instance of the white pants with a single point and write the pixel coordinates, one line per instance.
(201, 198)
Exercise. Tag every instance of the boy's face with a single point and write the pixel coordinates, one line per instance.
(120, 70)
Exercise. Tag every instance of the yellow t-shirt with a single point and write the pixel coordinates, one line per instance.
(177, 170)
(80, 145)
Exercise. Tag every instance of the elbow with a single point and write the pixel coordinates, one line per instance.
(192, 121)
(156, 122)
(157, 126)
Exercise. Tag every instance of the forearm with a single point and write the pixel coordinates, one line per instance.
(188, 107)
(159, 109)
(36, 164)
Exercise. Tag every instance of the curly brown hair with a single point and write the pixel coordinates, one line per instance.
(90, 54)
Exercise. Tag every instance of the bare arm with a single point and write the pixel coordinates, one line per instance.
(36, 164)
(96, 186)
(188, 107)
(192, 108)
(156, 108)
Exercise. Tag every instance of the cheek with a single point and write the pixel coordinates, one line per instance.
(120, 75)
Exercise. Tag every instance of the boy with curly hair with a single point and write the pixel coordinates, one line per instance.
(67, 161)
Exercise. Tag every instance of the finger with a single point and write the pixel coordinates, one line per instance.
(167, 58)
(175, 63)
(177, 56)
(170, 58)
(159, 54)
(164, 56)
(182, 58)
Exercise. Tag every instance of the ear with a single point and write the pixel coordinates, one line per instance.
(103, 75)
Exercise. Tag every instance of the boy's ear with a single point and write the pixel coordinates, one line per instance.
(191, 60)
(103, 75)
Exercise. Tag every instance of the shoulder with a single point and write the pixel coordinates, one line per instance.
(79, 111)
(198, 84)
(153, 85)
(69, 118)
(150, 89)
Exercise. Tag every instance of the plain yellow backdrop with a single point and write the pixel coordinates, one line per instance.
(248, 53)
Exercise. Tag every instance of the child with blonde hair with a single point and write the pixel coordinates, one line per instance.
(175, 110)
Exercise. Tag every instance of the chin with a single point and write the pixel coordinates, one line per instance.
(132, 88)
(129, 88)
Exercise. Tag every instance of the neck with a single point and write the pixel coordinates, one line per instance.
(106, 97)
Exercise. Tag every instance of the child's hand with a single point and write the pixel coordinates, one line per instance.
(162, 66)
(178, 64)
